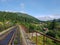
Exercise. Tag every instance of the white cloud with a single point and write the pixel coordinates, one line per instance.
(3, 0)
(14, 11)
(10, 11)
(48, 17)
(56, 16)
(22, 5)
(23, 12)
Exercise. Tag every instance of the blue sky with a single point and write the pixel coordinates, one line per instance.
(37, 8)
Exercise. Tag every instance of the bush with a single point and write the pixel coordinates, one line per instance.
(31, 28)
(51, 33)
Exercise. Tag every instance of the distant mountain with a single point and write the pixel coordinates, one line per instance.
(49, 17)
(58, 20)
(46, 18)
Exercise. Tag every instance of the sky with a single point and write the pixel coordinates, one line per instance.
(42, 9)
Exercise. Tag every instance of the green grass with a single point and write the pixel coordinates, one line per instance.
(47, 42)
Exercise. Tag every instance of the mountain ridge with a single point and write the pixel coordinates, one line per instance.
(17, 16)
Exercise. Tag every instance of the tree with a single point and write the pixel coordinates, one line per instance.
(52, 25)
(31, 28)
(51, 33)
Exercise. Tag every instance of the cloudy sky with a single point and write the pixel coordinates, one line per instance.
(47, 9)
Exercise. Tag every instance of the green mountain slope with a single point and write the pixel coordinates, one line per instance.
(8, 19)
(28, 18)
(20, 17)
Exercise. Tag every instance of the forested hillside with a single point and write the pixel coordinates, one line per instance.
(8, 19)
(17, 17)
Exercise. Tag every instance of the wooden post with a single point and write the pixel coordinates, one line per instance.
(43, 40)
(36, 38)
(46, 40)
